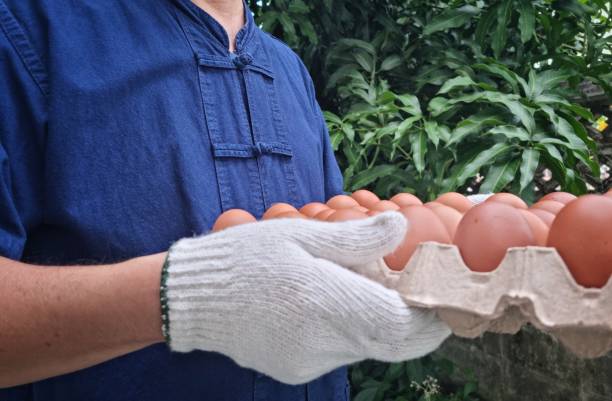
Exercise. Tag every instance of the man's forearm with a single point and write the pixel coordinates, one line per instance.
(55, 320)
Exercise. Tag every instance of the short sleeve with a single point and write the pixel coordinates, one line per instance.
(22, 127)
(12, 233)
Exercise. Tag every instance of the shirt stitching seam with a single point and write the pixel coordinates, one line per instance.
(18, 39)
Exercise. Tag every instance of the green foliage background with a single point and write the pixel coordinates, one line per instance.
(423, 96)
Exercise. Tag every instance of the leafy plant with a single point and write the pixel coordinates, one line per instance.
(472, 126)
(426, 379)
(499, 117)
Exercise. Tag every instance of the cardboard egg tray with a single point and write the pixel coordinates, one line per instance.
(531, 284)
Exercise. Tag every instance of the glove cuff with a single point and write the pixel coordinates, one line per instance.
(196, 288)
(163, 299)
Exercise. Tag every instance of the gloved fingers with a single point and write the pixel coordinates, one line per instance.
(353, 243)
(379, 272)
(397, 332)
(382, 326)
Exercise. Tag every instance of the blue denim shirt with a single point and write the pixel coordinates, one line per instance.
(126, 125)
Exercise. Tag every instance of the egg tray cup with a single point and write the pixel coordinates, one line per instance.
(531, 284)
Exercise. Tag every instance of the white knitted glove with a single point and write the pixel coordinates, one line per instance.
(274, 297)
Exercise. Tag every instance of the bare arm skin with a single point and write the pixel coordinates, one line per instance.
(56, 320)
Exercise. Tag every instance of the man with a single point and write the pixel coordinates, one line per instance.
(128, 125)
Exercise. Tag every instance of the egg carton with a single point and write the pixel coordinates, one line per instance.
(531, 284)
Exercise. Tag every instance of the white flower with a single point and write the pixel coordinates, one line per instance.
(605, 172)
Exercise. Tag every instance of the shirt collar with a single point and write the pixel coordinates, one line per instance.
(214, 28)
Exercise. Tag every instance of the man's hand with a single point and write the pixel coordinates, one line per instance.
(279, 297)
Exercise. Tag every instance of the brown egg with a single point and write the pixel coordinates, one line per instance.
(449, 217)
(342, 202)
(290, 215)
(365, 198)
(550, 206)
(582, 235)
(385, 205)
(311, 209)
(538, 227)
(405, 199)
(424, 226)
(324, 215)
(361, 209)
(562, 197)
(456, 201)
(487, 231)
(508, 199)
(276, 209)
(233, 217)
(546, 217)
(347, 214)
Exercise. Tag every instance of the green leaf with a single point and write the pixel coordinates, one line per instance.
(501, 32)
(348, 70)
(591, 163)
(411, 104)
(405, 126)
(554, 153)
(579, 110)
(391, 62)
(510, 132)
(433, 132)
(485, 24)
(394, 371)
(484, 158)
(501, 71)
(560, 142)
(526, 20)
(471, 125)
(366, 177)
(531, 93)
(548, 80)
(309, 31)
(564, 129)
(336, 140)
(364, 61)
(356, 43)
(332, 118)
(414, 369)
(499, 176)
(516, 107)
(554, 161)
(457, 82)
(367, 137)
(469, 388)
(298, 7)
(575, 184)
(418, 146)
(439, 105)
(287, 24)
(529, 164)
(369, 394)
(349, 132)
(581, 131)
(452, 18)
